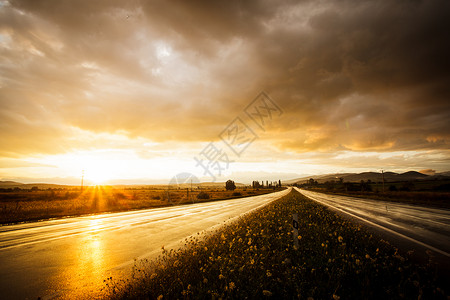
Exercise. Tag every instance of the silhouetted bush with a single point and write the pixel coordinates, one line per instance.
(236, 194)
(392, 188)
(407, 186)
(203, 195)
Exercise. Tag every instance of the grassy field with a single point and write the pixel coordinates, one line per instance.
(27, 205)
(254, 258)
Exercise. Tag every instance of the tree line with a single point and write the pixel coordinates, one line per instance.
(230, 185)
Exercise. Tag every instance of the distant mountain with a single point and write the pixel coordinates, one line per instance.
(412, 175)
(8, 184)
(319, 178)
(373, 176)
(440, 176)
(14, 184)
(443, 174)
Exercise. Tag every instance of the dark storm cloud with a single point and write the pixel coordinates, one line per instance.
(356, 75)
(379, 68)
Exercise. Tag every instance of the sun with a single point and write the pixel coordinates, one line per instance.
(98, 176)
(99, 171)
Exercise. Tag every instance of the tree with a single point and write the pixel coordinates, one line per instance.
(256, 184)
(230, 185)
(279, 183)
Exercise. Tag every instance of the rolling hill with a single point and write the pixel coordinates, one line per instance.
(373, 176)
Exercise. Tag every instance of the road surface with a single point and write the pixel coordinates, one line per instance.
(425, 227)
(69, 258)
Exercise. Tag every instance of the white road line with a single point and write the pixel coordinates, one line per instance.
(381, 227)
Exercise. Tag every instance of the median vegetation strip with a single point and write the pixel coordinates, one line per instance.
(254, 257)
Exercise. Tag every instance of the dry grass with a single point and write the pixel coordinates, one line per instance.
(25, 205)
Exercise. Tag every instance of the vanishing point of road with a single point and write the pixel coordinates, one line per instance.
(70, 258)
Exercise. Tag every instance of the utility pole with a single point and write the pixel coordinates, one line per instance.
(82, 177)
(382, 174)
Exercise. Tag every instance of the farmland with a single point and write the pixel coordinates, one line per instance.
(20, 205)
(255, 258)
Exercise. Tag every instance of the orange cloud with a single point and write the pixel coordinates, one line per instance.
(355, 75)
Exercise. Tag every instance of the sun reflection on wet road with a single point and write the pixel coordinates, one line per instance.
(86, 273)
(70, 258)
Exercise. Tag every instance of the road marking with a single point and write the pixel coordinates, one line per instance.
(381, 227)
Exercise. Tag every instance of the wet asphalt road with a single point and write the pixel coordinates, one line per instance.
(70, 258)
(417, 228)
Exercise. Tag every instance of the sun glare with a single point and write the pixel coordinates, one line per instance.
(98, 171)
(98, 176)
(106, 166)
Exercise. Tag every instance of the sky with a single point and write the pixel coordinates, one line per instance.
(141, 91)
